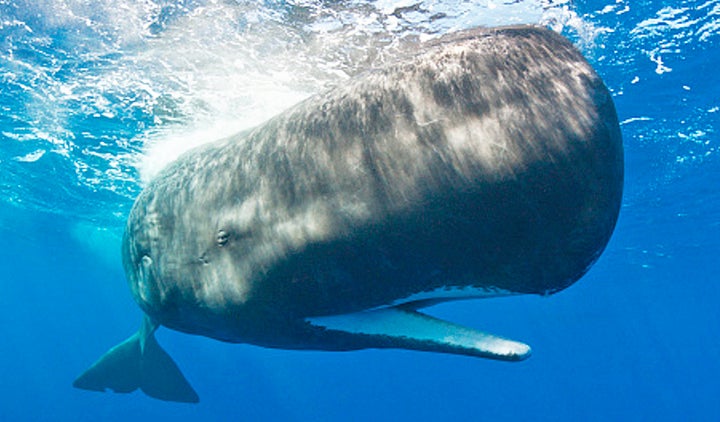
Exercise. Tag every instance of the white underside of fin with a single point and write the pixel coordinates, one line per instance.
(410, 327)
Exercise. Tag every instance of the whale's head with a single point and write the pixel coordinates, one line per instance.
(179, 255)
(148, 251)
(143, 250)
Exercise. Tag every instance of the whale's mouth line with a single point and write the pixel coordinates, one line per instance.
(448, 292)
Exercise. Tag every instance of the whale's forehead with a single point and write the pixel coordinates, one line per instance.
(143, 247)
(175, 254)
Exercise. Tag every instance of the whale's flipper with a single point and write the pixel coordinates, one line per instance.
(139, 362)
(405, 328)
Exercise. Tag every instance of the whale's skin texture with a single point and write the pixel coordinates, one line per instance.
(490, 162)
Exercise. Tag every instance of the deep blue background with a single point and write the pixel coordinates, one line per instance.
(636, 339)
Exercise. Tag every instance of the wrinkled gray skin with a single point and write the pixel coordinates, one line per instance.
(492, 159)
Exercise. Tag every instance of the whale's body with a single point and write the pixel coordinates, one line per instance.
(490, 163)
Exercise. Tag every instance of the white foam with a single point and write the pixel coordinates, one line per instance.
(200, 71)
(227, 80)
(31, 157)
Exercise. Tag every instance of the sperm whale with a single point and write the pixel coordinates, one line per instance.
(487, 163)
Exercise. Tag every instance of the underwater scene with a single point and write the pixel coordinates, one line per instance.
(99, 98)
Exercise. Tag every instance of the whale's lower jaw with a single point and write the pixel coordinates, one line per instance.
(404, 328)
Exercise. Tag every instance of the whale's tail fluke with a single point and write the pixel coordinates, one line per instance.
(139, 362)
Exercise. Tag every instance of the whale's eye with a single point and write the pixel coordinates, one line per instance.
(222, 237)
(146, 260)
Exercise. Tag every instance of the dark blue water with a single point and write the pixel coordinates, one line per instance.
(95, 97)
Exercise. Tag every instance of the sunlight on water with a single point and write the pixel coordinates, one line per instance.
(240, 76)
(99, 96)
(112, 91)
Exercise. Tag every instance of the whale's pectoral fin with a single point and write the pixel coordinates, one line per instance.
(139, 362)
(397, 327)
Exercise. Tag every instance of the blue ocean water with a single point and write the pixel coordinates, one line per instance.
(96, 96)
